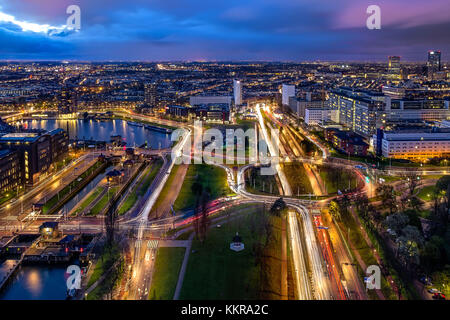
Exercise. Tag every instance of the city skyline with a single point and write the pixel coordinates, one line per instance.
(231, 31)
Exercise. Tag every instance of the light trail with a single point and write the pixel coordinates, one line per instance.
(301, 278)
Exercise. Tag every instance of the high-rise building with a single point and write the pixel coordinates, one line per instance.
(360, 113)
(150, 94)
(394, 68)
(237, 89)
(68, 101)
(434, 63)
(287, 91)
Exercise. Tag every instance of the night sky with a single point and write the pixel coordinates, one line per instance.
(274, 30)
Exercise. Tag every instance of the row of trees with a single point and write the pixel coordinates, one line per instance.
(417, 249)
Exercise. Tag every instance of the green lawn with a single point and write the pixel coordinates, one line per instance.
(210, 176)
(141, 187)
(216, 272)
(166, 188)
(260, 184)
(346, 179)
(426, 193)
(151, 176)
(298, 180)
(167, 268)
(389, 179)
(105, 261)
(103, 202)
(7, 196)
(89, 200)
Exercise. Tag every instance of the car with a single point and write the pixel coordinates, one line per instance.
(433, 290)
(439, 296)
(153, 256)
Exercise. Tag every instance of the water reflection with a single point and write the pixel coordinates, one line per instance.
(40, 282)
(102, 131)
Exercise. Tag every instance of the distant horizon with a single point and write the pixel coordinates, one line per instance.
(210, 61)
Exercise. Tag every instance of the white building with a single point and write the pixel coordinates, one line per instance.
(237, 90)
(315, 117)
(416, 145)
(199, 100)
(286, 92)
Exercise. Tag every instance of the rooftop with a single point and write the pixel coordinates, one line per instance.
(20, 136)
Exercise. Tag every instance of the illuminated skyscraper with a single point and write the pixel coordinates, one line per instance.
(150, 94)
(394, 68)
(237, 89)
(434, 63)
(287, 91)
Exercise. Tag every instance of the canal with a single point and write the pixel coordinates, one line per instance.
(102, 130)
(37, 282)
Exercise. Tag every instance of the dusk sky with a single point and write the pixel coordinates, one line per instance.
(274, 30)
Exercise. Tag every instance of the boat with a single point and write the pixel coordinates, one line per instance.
(136, 124)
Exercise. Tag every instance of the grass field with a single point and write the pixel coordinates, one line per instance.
(106, 260)
(209, 176)
(91, 198)
(102, 203)
(166, 188)
(151, 176)
(141, 187)
(216, 272)
(260, 184)
(426, 193)
(346, 179)
(296, 175)
(167, 268)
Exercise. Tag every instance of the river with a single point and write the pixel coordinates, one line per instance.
(102, 130)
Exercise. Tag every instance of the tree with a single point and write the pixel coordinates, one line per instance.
(278, 207)
(363, 208)
(335, 177)
(335, 210)
(204, 218)
(344, 203)
(396, 222)
(376, 216)
(432, 256)
(416, 203)
(408, 245)
(412, 182)
(387, 195)
(110, 222)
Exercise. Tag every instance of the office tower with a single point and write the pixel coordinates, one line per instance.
(68, 101)
(237, 89)
(434, 63)
(287, 91)
(394, 68)
(150, 94)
